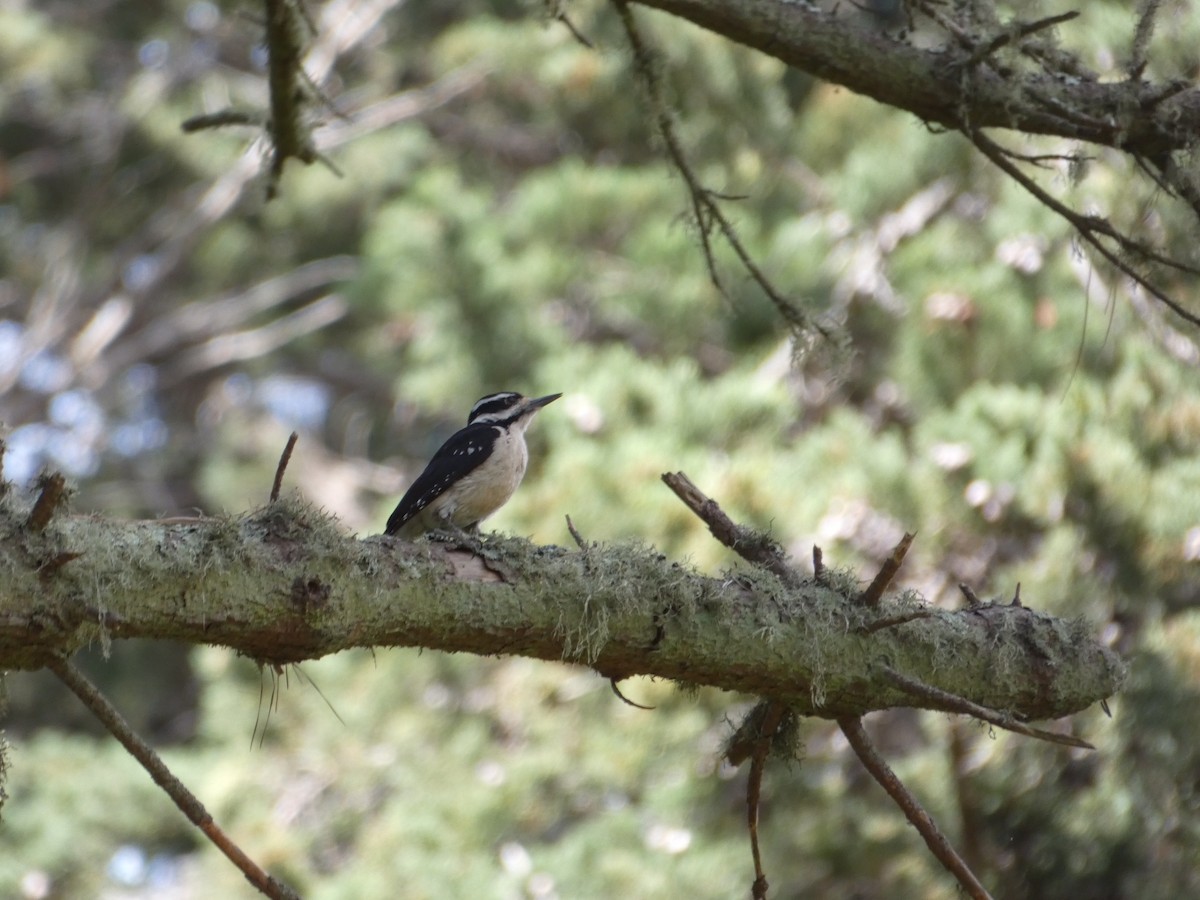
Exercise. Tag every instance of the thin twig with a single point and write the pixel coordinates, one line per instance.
(753, 546)
(575, 535)
(972, 598)
(772, 717)
(706, 210)
(52, 488)
(616, 690)
(1041, 160)
(222, 119)
(1141, 38)
(758, 548)
(893, 621)
(965, 39)
(953, 703)
(556, 12)
(934, 839)
(874, 592)
(1018, 32)
(1091, 227)
(47, 570)
(152, 763)
(284, 459)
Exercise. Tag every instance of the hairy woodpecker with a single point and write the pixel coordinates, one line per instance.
(475, 472)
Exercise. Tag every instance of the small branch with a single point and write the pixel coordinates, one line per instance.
(972, 598)
(934, 839)
(1165, 91)
(52, 487)
(971, 815)
(874, 592)
(50, 567)
(222, 119)
(554, 8)
(954, 703)
(772, 717)
(152, 763)
(1019, 32)
(752, 546)
(284, 459)
(289, 30)
(1141, 38)
(612, 682)
(1041, 160)
(893, 621)
(759, 549)
(575, 535)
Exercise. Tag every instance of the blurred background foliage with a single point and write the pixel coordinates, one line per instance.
(505, 221)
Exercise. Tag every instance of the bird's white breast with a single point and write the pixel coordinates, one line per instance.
(487, 488)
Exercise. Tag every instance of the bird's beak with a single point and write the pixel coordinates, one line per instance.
(543, 401)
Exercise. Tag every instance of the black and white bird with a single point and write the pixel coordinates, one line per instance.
(475, 472)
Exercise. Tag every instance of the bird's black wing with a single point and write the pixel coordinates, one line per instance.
(464, 452)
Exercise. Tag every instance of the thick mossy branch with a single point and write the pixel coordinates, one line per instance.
(285, 583)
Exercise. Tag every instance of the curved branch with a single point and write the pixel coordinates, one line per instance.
(941, 85)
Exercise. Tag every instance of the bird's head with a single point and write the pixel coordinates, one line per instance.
(506, 408)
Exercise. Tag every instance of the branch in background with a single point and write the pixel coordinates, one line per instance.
(921, 820)
(223, 119)
(292, 37)
(928, 81)
(962, 86)
(555, 10)
(771, 720)
(255, 342)
(1138, 56)
(289, 32)
(1093, 230)
(107, 714)
(208, 319)
(706, 208)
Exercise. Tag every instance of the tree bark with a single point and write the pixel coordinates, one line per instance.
(285, 583)
(958, 84)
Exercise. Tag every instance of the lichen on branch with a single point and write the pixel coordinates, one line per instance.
(285, 583)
